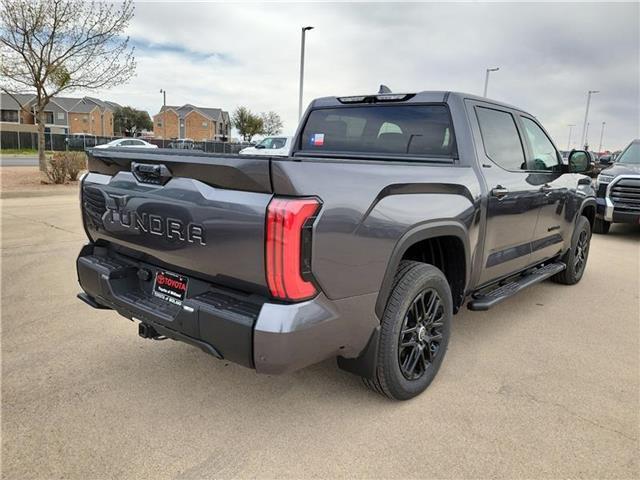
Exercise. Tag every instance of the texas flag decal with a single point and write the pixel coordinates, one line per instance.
(317, 139)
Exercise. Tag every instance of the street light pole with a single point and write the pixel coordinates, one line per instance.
(586, 117)
(586, 137)
(304, 33)
(601, 136)
(486, 79)
(571, 125)
(164, 115)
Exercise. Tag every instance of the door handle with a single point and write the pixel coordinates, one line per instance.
(546, 189)
(499, 191)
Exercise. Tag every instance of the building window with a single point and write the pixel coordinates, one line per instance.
(85, 119)
(9, 116)
(159, 123)
(60, 115)
(48, 117)
(205, 124)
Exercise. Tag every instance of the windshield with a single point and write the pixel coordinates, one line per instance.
(273, 142)
(631, 154)
(398, 130)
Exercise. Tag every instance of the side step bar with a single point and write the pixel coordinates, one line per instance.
(484, 301)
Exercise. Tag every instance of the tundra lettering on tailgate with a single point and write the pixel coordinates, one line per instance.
(170, 228)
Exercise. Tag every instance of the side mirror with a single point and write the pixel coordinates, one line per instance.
(259, 146)
(606, 160)
(579, 161)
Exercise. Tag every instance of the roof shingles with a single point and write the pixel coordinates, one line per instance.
(215, 114)
(68, 104)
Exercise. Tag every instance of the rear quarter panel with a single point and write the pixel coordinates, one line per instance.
(369, 206)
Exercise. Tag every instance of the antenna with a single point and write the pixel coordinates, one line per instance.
(384, 89)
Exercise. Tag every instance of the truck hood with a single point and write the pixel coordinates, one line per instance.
(622, 169)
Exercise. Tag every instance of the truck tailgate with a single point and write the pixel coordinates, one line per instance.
(198, 214)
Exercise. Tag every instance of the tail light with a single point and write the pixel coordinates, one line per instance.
(288, 247)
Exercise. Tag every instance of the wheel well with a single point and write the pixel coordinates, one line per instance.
(590, 213)
(447, 254)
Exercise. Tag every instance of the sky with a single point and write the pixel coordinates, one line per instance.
(230, 54)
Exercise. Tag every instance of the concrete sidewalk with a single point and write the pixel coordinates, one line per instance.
(545, 385)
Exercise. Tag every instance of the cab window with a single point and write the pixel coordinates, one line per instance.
(392, 131)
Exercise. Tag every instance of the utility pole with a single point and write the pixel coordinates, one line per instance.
(164, 115)
(571, 125)
(583, 140)
(486, 79)
(304, 33)
(601, 136)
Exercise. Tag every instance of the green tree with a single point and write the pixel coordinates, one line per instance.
(247, 123)
(271, 123)
(129, 121)
(53, 46)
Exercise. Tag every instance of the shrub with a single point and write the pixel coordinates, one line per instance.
(76, 162)
(65, 164)
(57, 169)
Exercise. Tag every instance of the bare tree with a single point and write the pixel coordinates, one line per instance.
(271, 123)
(52, 46)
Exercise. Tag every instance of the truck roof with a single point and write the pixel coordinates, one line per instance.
(427, 96)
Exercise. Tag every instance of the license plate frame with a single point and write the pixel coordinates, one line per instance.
(170, 287)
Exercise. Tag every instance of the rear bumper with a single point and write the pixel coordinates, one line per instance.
(245, 329)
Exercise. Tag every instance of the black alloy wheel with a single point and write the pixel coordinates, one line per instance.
(421, 334)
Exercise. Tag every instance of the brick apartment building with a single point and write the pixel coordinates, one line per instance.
(189, 121)
(64, 115)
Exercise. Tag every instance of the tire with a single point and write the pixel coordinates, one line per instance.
(577, 256)
(408, 339)
(601, 226)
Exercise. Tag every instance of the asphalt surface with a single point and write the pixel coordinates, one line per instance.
(545, 385)
(18, 161)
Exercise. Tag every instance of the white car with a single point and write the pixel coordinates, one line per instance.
(127, 142)
(271, 146)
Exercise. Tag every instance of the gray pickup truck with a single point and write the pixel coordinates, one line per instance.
(391, 213)
(618, 190)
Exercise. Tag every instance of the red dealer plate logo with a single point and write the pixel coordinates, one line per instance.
(170, 287)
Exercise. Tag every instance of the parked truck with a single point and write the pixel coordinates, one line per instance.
(391, 213)
(618, 190)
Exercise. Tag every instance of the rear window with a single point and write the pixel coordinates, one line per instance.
(273, 142)
(398, 130)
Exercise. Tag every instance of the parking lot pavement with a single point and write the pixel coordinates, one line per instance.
(545, 385)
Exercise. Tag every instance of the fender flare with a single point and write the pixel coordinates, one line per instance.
(424, 231)
(588, 202)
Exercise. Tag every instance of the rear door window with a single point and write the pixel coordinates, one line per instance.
(399, 130)
(500, 137)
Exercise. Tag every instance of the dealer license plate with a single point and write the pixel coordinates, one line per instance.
(170, 287)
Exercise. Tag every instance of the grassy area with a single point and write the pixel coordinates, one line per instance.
(21, 151)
